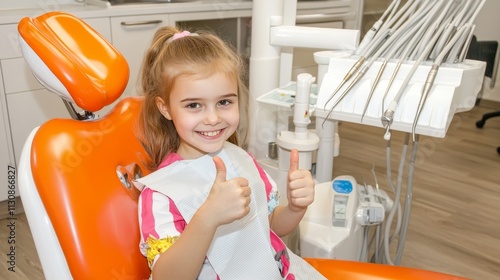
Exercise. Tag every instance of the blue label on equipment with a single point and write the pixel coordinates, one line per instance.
(342, 186)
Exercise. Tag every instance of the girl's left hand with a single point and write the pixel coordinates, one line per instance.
(300, 185)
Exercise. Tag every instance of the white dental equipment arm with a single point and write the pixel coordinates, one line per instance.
(269, 36)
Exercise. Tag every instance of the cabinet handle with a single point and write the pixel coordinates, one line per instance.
(143, 22)
(318, 18)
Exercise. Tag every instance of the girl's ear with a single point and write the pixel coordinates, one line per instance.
(163, 108)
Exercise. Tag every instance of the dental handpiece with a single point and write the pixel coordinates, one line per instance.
(425, 92)
(346, 78)
(433, 73)
(349, 87)
(372, 90)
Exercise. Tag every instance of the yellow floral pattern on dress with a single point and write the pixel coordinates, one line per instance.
(158, 246)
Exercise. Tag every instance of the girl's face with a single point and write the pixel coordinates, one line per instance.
(204, 111)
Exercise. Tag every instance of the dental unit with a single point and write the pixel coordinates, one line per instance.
(412, 60)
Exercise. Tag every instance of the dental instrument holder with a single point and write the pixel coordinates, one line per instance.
(302, 139)
(454, 90)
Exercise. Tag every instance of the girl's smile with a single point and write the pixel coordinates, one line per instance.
(210, 134)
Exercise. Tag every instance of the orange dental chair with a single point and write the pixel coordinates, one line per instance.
(76, 175)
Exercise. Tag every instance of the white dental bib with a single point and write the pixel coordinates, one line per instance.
(241, 249)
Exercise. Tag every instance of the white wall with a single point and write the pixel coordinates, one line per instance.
(488, 28)
(488, 21)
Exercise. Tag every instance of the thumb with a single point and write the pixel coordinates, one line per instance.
(220, 169)
(294, 160)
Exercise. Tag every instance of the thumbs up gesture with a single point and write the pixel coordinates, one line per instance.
(228, 200)
(300, 185)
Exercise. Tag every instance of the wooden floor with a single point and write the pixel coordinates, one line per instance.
(455, 220)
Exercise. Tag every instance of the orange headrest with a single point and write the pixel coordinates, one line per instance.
(92, 71)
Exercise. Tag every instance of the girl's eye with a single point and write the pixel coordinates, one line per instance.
(225, 102)
(193, 105)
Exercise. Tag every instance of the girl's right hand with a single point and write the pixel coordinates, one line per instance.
(228, 200)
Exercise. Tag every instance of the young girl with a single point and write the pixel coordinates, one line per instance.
(209, 211)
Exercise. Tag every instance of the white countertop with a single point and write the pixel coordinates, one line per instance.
(13, 16)
(90, 11)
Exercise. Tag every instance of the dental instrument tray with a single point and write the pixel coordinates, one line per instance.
(285, 96)
(454, 90)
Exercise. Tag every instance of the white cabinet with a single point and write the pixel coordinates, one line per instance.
(233, 26)
(6, 158)
(9, 44)
(30, 109)
(131, 36)
(18, 78)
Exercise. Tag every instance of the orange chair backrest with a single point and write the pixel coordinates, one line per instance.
(94, 216)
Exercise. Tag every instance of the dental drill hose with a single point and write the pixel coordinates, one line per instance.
(399, 185)
(397, 193)
(408, 204)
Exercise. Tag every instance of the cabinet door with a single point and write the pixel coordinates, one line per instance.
(131, 36)
(30, 109)
(101, 25)
(6, 155)
(9, 45)
(18, 76)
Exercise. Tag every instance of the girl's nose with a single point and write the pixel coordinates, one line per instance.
(212, 117)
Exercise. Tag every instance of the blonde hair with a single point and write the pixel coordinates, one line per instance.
(166, 59)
